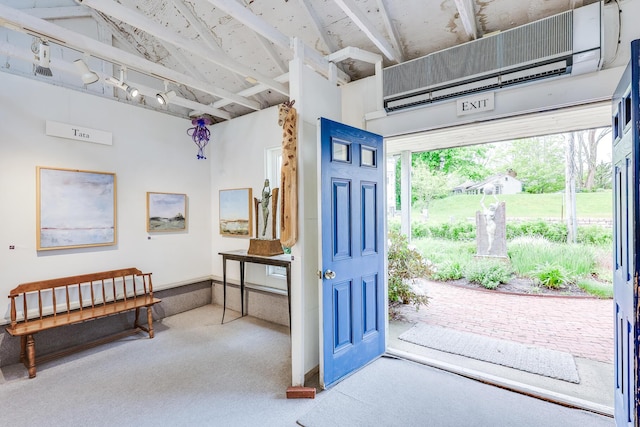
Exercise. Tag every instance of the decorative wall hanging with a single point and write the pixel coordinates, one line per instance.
(166, 212)
(200, 134)
(288, 119)
(75, 208)
(235, 212)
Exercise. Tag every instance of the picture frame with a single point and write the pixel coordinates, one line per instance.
(235, 212)
(74, 208)
(166, 212)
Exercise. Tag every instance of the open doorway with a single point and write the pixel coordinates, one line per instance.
(549, 298)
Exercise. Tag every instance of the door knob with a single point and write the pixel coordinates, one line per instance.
(329, 274)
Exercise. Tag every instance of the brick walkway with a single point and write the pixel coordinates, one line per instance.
(580, 326)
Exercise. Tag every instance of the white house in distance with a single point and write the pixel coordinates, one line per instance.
(504, 183)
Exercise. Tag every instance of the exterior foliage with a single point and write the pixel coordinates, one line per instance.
(405, 265)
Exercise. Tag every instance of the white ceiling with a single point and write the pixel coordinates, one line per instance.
(230, 57)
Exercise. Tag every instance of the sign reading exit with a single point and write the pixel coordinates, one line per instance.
(475, 104)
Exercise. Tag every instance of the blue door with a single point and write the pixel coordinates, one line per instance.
(352, 215)
(626, 196)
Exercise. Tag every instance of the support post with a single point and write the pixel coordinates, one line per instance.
(405, 193)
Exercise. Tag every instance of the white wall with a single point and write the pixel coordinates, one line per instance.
(237, 157)
(315, 97)
(150, 152)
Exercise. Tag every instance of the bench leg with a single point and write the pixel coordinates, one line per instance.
(150, 321)
(136, 323)
(30, 361)
(23, 349)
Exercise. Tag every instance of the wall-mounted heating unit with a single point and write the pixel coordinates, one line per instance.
(567, 43)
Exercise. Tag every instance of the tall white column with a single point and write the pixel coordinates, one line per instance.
(405, 193)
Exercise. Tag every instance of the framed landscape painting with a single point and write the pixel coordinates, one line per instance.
(74, 208)
(166, 212)
(235, 212)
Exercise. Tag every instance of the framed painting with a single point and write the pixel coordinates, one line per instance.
(75, 208)
(235, 212)
(166, 212)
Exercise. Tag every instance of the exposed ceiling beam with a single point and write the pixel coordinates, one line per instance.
(268, 47)
(251, 91)
(392, 31)
(359, 18)
(467, 14)
(207, 37)
(67, 67)
(65, 12)
(141, 22)
(317, 25)
(19, 21)
(258, 25)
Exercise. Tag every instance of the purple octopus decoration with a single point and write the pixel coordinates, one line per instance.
(200, 134)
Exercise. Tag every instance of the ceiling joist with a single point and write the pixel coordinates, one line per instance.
(359, 18)
(139, 21)
(19, 21)
(258, 25)
(467, 14)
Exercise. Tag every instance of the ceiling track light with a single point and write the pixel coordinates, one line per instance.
(86, 74)
(44, 59)
(163, 98)
(120, 84)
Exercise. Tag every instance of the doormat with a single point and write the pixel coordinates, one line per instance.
(537, 360)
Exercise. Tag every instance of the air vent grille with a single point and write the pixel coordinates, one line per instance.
(543, 41)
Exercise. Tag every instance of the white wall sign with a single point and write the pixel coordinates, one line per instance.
(78, 133)
(475, 104)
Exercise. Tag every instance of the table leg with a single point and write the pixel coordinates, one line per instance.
(224, 287)
(241, 288)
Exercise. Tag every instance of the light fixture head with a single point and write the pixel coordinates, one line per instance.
(131, 91)
(86, 74)
(164, 97)
(44, 60)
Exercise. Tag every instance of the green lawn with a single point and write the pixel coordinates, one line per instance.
(460, 207)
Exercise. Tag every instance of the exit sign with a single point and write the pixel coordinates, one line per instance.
(475, 104)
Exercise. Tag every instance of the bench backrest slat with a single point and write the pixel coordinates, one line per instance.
(74, 299)
(62, 281)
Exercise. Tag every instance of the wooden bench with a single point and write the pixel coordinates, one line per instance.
(46, 304)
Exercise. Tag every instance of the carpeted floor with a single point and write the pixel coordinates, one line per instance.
(537, 360)
(196, 372)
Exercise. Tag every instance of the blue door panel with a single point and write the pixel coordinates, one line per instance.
(369, 221)
(353, 294)
(626, 197)
(370, 309)
(341, 218)
(343, 332)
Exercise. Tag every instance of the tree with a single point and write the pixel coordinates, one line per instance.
(538, 162)
(427, 185)
(466, 162)
(588, 141)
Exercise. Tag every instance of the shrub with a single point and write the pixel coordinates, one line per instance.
(448, 270)
(527, 254)
(551, 276)
(595, 235)
(554, 232)
(488, 274)
(405, 265)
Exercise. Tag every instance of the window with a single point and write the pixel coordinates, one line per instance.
(273, 164)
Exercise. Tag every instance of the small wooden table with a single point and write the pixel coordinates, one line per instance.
(242, 256)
